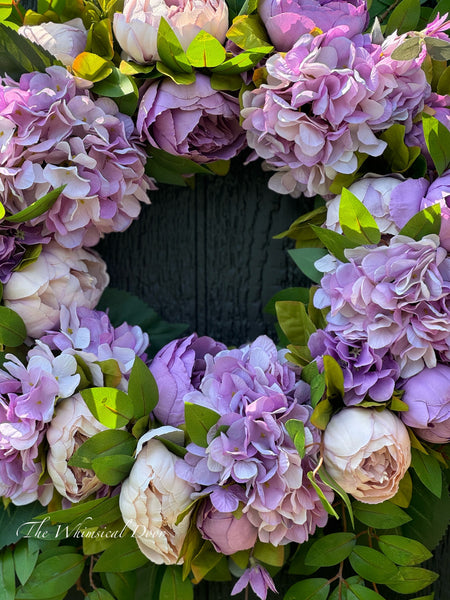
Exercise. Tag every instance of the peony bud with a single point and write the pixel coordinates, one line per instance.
(150, 501)
(72, 425)
(367, 452)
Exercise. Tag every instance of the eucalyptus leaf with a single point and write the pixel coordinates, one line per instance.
(122, 585)
(37, 208)
(335, 242)
(178, 76)
(115, 85)
(269, 554)
(203, 562)
(438, 49)
(325, 503)
(322, 414)
(357, 591)
(243, 61)
(247, 32)
(409, 50)
(26, 553)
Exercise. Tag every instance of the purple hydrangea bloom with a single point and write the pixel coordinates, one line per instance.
(249, 450)
(324, 100)
(194, 121)
(90, 334)
(367, 371)
(287, 20)
(178, 368)
(429, 413)
(394, 297)
(54, 134)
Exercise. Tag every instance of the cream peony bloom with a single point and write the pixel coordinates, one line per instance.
(367, 452)
(150, 501)
(64, 40)
(72, 425)
(60, 276)
(136, 29)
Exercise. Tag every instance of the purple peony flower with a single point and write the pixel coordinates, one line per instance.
(287, 20)
(427, 395)
(367, 371)
(54, 134)
(324, 100)
(193, 120)
(178, 369)
(393, 297)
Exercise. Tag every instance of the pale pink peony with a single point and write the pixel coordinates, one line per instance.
(136, 28)
(58, 277)
(64, 40)
(72, 425)
(367, 452)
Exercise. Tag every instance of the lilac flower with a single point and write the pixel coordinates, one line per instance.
(324, 100)
(193, 120)
(286, 20)
(367, 371)
(259, 580)
(393, 297)
(54, 134)
(178, 368)
(429, 413)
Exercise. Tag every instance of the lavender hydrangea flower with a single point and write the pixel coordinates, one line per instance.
(287, 20)
(54, 134)
(193, 121)
(367, 371)
(178, 368)
(393, 297)
(324, 100)
(249, 451)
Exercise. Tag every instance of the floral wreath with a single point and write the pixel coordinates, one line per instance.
(324, 458)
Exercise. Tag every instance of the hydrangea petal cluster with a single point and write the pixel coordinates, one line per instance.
(90, 335)
(58, 277)
(324, 100)
(287, 20)
(194, 121)
(27, 398)
(367, 371)
(54, 134)
(136, 28)
(393, 297)
(250, 458)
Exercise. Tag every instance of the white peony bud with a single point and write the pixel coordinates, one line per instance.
(150, 501)
(71, 426)
(367, 452)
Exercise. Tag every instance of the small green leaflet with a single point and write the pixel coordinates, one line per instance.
(403, 551)
(409, 50)
(112, 469)
(357, 223)
(305, 258)
(428, 471)
(52, 577)
(170, 50)
(372, 565)
(38, 208)
(437, 139)
(199, 421)
(295, 322)
(142, 389)
(331, 549)
(105, 443)
(173, 586)
(296, 431)
(109, 406)
(380, 516)
(425, 222)
(327, 506)
(12, 328)
(335, 242)
(309, 589)
(205, 51)
(405, 17)
(124, 555)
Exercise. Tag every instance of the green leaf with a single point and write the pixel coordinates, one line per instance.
(438, 49)
(403, 551)
(51, 577)
(100, 40)
(112, 375)
(123, 306)
(170, 50)
(115, 85)
(423, 223)
(18, 55)
(112, 469)
(359, 592)
(99, 594)
(173, 586)
(443, 86)
(142, 389)
(109, 406)
(334, 380)
(230, 83)
(411, 579)
(372, 565)
(123, 555)
(5, 9)
(296, 431)
(295, 322)
(381, 516)
(297, 565)
(243, 61)
(437, 139)
(428, 471)
(327, 506)
(131, 68)
(331, 549)
(268, 554)
(122, 585)
(7, 576)
(179, 77)
(309, 589)
(335, 242)
(37, 208)
(203, 562)
(322, 414)
(305, 258)
(12, 328)
(399, 156)
(199, 421)
(92, 67)
(26, 554)
(405, 17)
(403, 497)
(330, 482)
(30, 256)
(293, 294)
(205, 51)
(247, 32)
(409, 50)
(357, 223)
